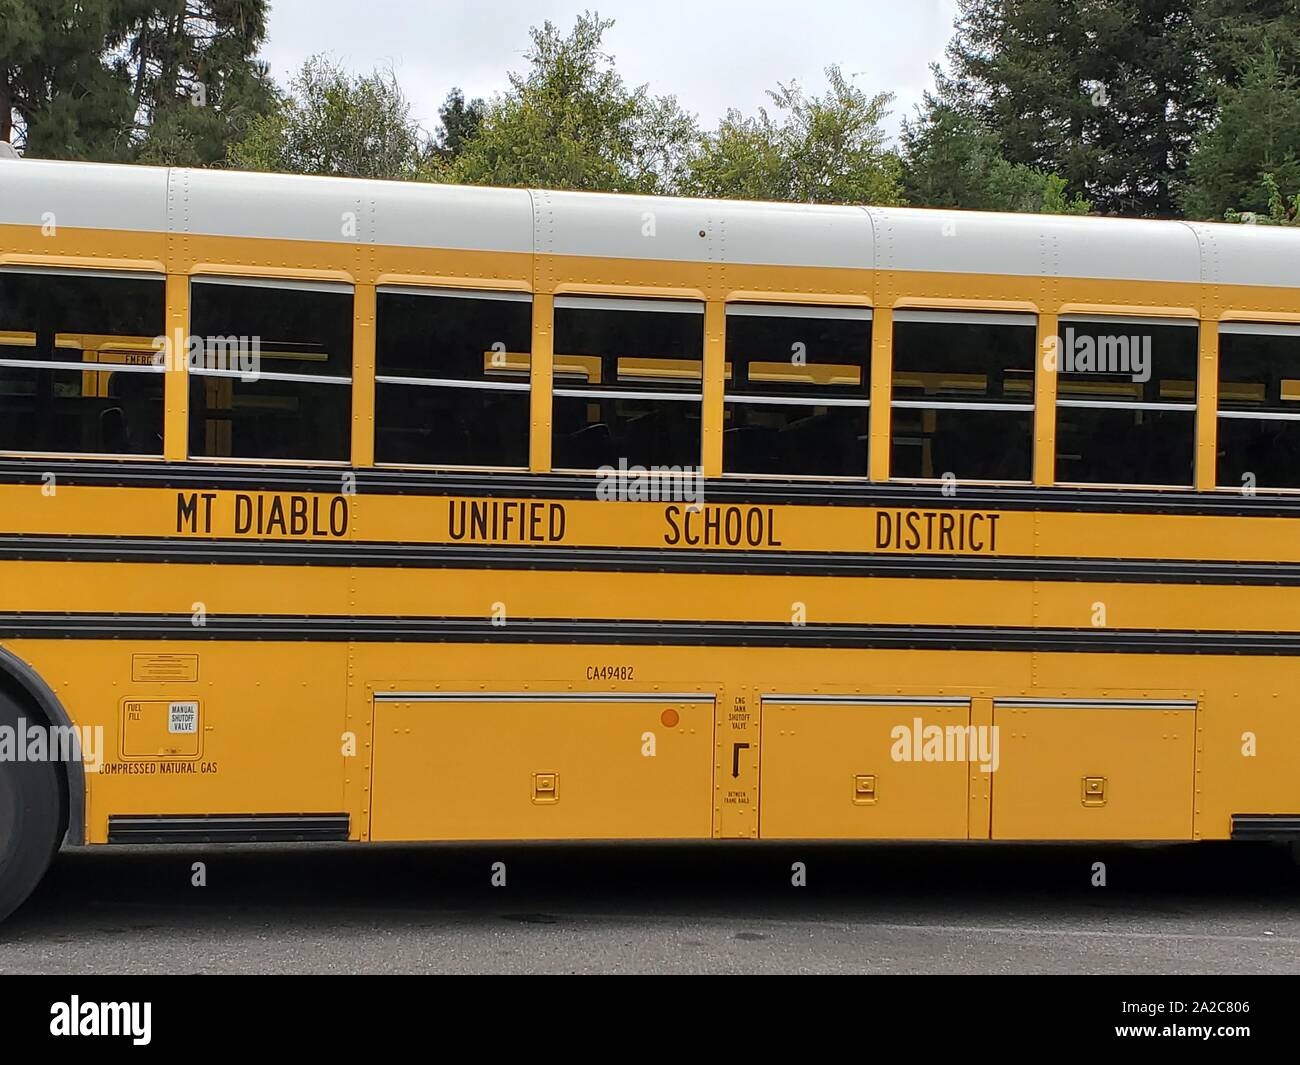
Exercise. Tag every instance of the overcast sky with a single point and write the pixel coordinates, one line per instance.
(713, 54)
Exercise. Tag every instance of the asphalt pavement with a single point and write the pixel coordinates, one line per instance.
(662, 908)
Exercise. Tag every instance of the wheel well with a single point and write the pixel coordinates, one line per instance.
(22, 684)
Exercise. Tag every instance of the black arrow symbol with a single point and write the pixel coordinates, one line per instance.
(736, 748)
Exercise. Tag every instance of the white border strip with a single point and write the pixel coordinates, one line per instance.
(122, 456)
(1265, 329)
(1101, 404)
(609, 393)
(252, 379)
(80, 271)
(800, 310)
(64, 367)
(1261, 416)
(939, 404)
(504, 295)
(966, 317)
(1126, 319)
(798, 401)
(449, 382)
(341, 287)
(627, 303)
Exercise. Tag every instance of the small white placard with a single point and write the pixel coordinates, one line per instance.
(183, 717)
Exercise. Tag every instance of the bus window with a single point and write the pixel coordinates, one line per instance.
(452, 377)
(273, 377)
(79, 368)
(628, 382)
(1126, 401)
(1259, 405)
(797, 395)
(963, 396)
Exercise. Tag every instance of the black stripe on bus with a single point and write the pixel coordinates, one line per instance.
(1283, 828)
(619, 631)
(372, 481)
(339, 553)
(227, 828)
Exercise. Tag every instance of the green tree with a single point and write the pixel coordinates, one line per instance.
(1281, 211)
(61, 96)
(815, 149)
(570, 122)
(458, 124)
(196, 81)
(1237, 32)
(332, 122)
(950, 159)
(1107, 95)
(1252, 147)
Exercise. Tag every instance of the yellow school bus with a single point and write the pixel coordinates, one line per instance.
(352, 510)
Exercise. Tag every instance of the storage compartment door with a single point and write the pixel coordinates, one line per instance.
(1094, 769)
(862, 767)
(542, 766)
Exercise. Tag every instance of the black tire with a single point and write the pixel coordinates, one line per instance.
(31, 809)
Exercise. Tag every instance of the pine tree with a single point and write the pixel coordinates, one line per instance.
(196, 81)
(952, 159)
(61, 95)
(1253, 148)
(458, 124)
(1108, 94)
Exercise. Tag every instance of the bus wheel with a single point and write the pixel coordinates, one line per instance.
(30, 809)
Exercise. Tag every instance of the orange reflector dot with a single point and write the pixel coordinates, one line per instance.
(670, 718)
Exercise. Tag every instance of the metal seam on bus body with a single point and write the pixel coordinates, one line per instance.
(406, 555)
(619, 631)
(250, 476)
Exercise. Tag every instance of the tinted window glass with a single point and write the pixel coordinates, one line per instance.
(978, 445)
(476, 347)
(964, 361)
(274, 378)
(963, 395)
(1259, 372)
(51, 320)
(462, 337)
(1127, 361)
(268, 419)
(628, 376)
(1259, 452)
(798, 385)
(1099, 445)
(1259, 404)
(1126, 402)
